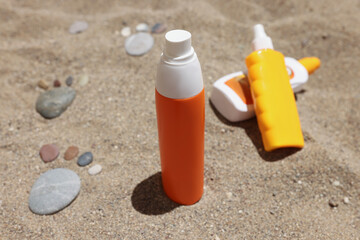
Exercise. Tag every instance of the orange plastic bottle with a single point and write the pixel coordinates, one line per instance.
(180, 108)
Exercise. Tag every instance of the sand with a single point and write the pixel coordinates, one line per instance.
(249, 194)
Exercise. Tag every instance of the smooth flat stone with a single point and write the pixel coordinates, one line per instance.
(96, 169)
(69, 81)
(138, 44)
(142, 27)
(71, 153)
(84, 79)
(53, 191)
(126, 31)
(53, 103)
(158, 28)
(78, 27)
(49, 152)
(85, 159)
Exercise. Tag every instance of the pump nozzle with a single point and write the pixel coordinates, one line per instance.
(261, 40)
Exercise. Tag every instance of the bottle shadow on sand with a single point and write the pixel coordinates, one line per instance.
(149, 197)
(251, 128)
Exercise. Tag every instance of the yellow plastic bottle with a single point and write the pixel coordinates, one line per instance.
(274, 100)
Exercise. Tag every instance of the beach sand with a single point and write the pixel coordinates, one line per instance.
(249, 194)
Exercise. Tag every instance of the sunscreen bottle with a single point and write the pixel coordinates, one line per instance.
(274, 100)
(180, 108)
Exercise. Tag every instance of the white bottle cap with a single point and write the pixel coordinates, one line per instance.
(178, 44)
(261, 40)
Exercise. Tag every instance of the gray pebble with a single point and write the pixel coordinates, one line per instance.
(69, 81)
(139, 44)
(158, 28)
(78, 27)
(53, 103)
(53, 191)
(85, 159)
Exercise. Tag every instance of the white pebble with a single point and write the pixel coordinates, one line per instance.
(336, 183)
(142, 27)
(346, 200)
(78, 27)
(95, 169)
(84, 79)
(229, 194)
(126, 31)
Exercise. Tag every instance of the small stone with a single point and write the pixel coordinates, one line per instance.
(139, 44)
(346, 200)
(95, 169)
(78, 27)
(84, 79)
(69, 81)
(158, 28)
(126, 31)
(336, 183)
(85, 159)
(43, 84)
(53, 103)
(53, 191)
(57, 83)
(333, 203)
(71, 153)
(142, 27)
(229, 195)
(49, 152)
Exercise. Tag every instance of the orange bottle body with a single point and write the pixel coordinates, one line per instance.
(274, 100)
(181, 126)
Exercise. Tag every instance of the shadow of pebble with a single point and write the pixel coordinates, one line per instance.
(149, 197)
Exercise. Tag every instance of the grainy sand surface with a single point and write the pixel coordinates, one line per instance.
(249, 194)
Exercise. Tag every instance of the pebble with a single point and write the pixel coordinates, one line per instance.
(142, 27)
(53, 103)
(336, 183)
(333, 203)
(229, 194)
(139, 44)
(346, 200)
(85, 159)
(158, 28)
(84, 79)
(126, 31)
(43, 84)
(49, 152)
(69, 81)
(78, 27)
(71, 153)
(95, 169)
(53, 191)
(57, 83)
